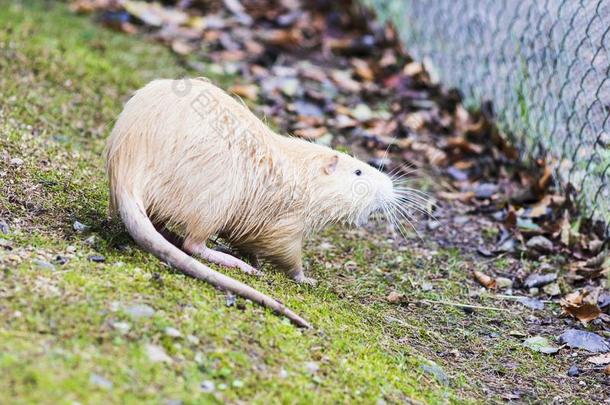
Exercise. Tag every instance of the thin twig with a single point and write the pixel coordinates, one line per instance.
(457, 304)
(517, 298)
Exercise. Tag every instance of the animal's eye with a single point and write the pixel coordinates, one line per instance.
(358, 172)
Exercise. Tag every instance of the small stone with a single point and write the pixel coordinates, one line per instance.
(61, 260)
(362, 112)
(80, 227)
(540, 344)
(192, 339)
(433, 225)
(539, 280)
(172, 332)
(312, 367)
(207, 386)
(540, 244)
(581, 339)
(574, 371)
(122, 327)
(485, 190)
(230, 300)
(199, 358)
(326, 246)
(436, 371)
(138, 311)
(552, 289)
(71, 249)
(97, 258)
(16, 162)
(504, 283)
(283, 373)
(460, 220)
(157, 354)
(99, 381)
(4, 228)
(532, 303)
(90, 240)
(43, 264)
(394, 297)
(427, 286)
(6, 244)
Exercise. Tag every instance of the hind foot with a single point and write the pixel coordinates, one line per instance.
(299, 277)
(221, 258)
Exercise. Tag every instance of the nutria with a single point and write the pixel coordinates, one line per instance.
(187, 157)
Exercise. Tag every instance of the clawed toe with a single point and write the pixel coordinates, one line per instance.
(306, 280)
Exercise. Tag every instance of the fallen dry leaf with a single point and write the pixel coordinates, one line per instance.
(578, 306)
(463, 196)
(310, 133)
(600, 359)
(395, 298)
(363, 70)
(413, 69)
(249, 91)
(485, 280)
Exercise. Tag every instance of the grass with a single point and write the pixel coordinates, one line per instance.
(68, 332)
(63, 82)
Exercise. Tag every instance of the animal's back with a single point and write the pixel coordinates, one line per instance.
(193, 154)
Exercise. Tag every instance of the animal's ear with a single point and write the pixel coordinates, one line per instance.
(330, 165)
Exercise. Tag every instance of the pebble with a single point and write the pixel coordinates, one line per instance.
(4, 228)
(504, 283)
(207, 386)
(485, 190)
(97, 258)
(172, 332)
(80, 227)
(574, 371)
(230, 301)
(540, 244)
(6, 244)
(539, 280)
(552, 289)
(312, 367)
(138, 311)
(43, 264)
(192, 339)
(122, 327)
(61, 260)
(16, 162)
(157, 354)
(436, 371)
(99, 381)
(433, 225)
(90, 240)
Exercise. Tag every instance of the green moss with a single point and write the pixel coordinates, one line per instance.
(63, 82)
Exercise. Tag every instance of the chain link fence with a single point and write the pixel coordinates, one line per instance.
(544, 64)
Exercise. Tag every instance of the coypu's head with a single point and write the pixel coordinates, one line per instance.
(353, 190)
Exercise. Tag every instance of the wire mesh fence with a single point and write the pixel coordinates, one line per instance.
(545, 65)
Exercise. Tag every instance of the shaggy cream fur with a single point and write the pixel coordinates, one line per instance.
(186, 155)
